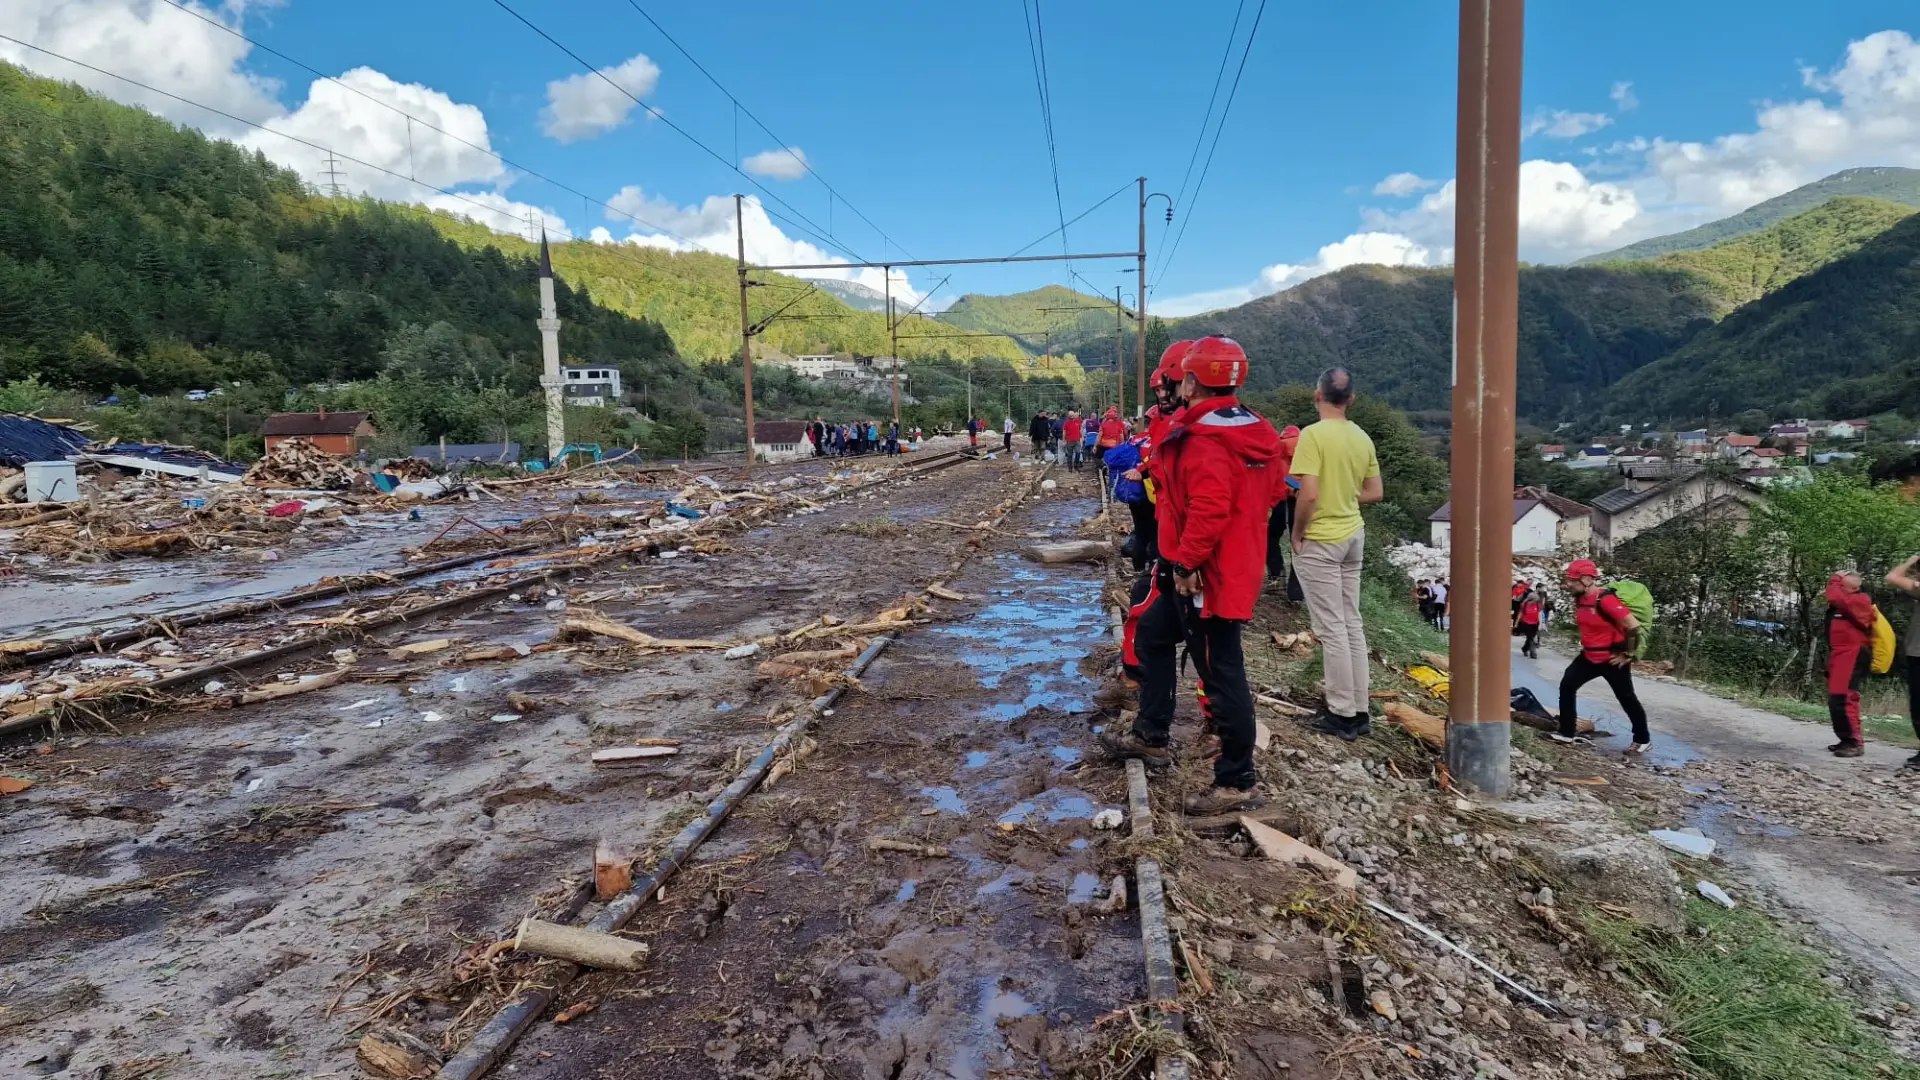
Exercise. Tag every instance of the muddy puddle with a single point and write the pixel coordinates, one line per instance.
(988, 953)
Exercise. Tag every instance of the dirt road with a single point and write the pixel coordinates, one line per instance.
(242, 892)
(1826, 837)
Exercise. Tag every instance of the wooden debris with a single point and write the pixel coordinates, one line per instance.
(817, 656)
(1262, 738)
(501, 652)
(1070, 551)
(1195, 969)
(1582, 781)
(589, 625)
(22, 645)
(779, 772)
(595, 950)
(575, 1011)
(925, 851)
(1294, 642)
(1287, 707)
(1280, 847)
(1437, 659)
(280, 690)
(1116, 899)
(1542, 722)
(522, 703)
(297, 463)
(612, 872)
(939, 591)
(14, 785)
(614, 755)
(419, 648)
(1424, 726)
(392, 1052)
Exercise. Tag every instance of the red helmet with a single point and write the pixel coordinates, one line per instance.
(1580, 568)
(1216, 362)
(1169, 368)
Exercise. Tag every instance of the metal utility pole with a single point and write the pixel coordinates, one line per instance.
(1119, 362)
(1140, 310)
(333, 174)
(893, 333)
(746, 327)
(969, 389)
(1486, 233)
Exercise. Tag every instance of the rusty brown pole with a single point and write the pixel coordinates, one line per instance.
(1486, 231)
(1140, 312)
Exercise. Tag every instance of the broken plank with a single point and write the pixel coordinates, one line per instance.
(587, 947)
(592, 625)
(1282, 848)
(615, 754)
(280, 690)
(419, 648)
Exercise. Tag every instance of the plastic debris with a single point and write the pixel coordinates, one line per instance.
(1691, 844)
(1714, 893)
(742, 651)
(1107, 819)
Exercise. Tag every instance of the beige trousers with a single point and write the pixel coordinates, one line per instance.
(1330, 576)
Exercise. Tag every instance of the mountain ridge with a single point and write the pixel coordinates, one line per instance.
(1891, 183)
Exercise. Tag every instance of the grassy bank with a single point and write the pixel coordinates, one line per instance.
(1745, 1002)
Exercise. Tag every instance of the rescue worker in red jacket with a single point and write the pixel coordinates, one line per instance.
(1166, 392)
(1850, 619)
(1217, 470)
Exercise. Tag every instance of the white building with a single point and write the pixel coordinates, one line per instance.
(1543, 524)
(822, 366)
(775, 441)
(591, 385)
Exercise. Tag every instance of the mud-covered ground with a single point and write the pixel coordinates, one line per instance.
(240, 892)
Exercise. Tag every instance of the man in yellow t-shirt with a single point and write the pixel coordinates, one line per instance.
(1338, 471)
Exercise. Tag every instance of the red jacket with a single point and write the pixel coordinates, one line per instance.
(1218, 467)
(1072, 429)
(1289, 442)
(1113, 430)
(1849, 633)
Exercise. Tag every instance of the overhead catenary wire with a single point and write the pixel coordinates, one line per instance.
(1206, 119)
(1037, 55)
(1226, 109)
(785, 146)
(811, 228)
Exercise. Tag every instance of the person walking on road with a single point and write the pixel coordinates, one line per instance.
(1338, 472)
(1006, 434)
(1216, 471)
(1037, 432)
(1526, 623)
(1609, 638)
(1070, 431)
(1850, 618)
(1903, 578)
(1442, 594)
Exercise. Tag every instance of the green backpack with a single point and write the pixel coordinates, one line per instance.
(1639, 600)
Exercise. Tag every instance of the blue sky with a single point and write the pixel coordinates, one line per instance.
(1646, 116)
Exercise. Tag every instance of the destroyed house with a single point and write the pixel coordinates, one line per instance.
(338, 433)
(29, 438)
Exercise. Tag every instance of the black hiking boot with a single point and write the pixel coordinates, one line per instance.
(1114, 696)
(1129, 745)
(1345, 727)
(1912, 765)
(1850, 750)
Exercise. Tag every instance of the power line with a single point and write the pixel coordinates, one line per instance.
(785, 146)
(1044, 88)
(333, 173)
(1187, 218)
(662, 117)
(1206, 118)
(429, 125)
(1062, 228)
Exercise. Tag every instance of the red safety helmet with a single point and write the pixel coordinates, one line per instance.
(1580, 568)
(1169, 368)
(1218, 363)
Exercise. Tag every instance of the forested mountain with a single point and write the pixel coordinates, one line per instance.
(137, 254)
(1842, 341)
(1052, 316)
(1754, 265)
(1891, 184)
(1581, 330)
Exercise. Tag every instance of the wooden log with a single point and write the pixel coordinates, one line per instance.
(614, 755)
(1280, 847)
(817, 656)
(595, 950)
(1542, 722)
(927, 851)
(939, 591)
(590, 625)
(1424, 726)
(280, 690)
(1070, 551)
(1287, 707)
(396, 1053)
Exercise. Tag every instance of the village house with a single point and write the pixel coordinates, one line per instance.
(775, 441)
(591, 386)
(1652, 495)
(1553, 452)
(1591, 457)
(1729, 447)
(1847, 429)
(1543, 524)
(1760, 457)
(340, 433)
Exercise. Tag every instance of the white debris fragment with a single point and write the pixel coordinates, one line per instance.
(741, 652)
(1686, 843)
(1107, 819)
(1714, 893)
(431, 717)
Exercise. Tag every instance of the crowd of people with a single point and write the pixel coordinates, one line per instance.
(859, 437)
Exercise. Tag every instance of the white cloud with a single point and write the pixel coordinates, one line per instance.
(584, 106)
(1866, 112)
(1561, 124)
(710, 226)
(785, 164)
(1402, 184)
(1623, 97)
(349, 124)
(147, 40)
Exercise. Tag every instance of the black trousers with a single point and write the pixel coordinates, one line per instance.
(1226, 700)
(1279, 539)
(1146, 528)
(1006, 441)
(1583, 671)
(1530, 640)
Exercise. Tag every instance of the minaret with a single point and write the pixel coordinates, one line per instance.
(550, 377)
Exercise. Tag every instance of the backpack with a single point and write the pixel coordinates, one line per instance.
(1883, 643)
(1639, 600)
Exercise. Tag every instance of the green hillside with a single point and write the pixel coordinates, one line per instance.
(1034, 319)
(1581, 330)
(1893, 185)
(1745, 269)
(1843, 340)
